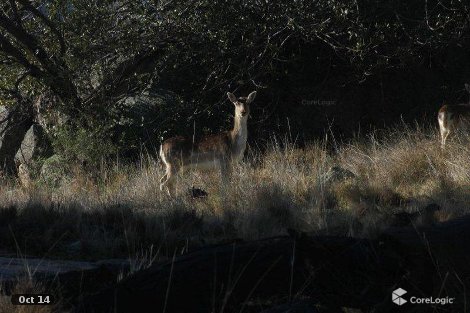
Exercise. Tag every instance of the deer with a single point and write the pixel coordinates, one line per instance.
(220, 150)
(453, 117)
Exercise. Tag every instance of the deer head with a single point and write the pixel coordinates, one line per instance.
(242, 104)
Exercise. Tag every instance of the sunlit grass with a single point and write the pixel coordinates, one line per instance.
(119, 209)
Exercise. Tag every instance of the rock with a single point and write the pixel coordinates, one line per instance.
(197, 193)
(432, 207)
(142, 118)
(424, 217)
(54, 171)
(402, 219)
(14, 123)
(35, 145)
(428, 214)
(46, 113)
(337, 173)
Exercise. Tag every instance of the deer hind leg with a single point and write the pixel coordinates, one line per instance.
(168, 179)
(163, 180)
(165, 177)
(444, 128)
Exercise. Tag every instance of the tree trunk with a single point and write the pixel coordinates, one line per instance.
(14, 123)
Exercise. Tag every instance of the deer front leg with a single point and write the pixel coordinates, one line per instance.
(225, 171)
(444, 135)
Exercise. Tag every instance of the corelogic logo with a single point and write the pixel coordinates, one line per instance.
(396, 296)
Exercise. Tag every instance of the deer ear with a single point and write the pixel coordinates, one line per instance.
(467, 87)
(232, 97)
(251, 97)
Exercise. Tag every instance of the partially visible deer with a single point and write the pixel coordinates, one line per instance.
(24, 176)
(217, 150)
(453, 117)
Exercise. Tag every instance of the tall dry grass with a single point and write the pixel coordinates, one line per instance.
(352, 188)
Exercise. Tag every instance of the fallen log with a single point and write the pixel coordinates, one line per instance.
(246, 275)
(209, 279)
(333, 272)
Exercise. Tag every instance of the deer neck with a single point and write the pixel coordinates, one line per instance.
(239, 135)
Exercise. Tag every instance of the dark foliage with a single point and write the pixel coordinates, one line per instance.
(316, 65)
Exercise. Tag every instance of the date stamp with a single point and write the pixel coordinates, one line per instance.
(32, 299)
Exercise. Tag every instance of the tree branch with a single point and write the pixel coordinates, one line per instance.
(12, 51)
(56, 74)
(116, 81)
(27, 40)
(27, 5)
(14, 8)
